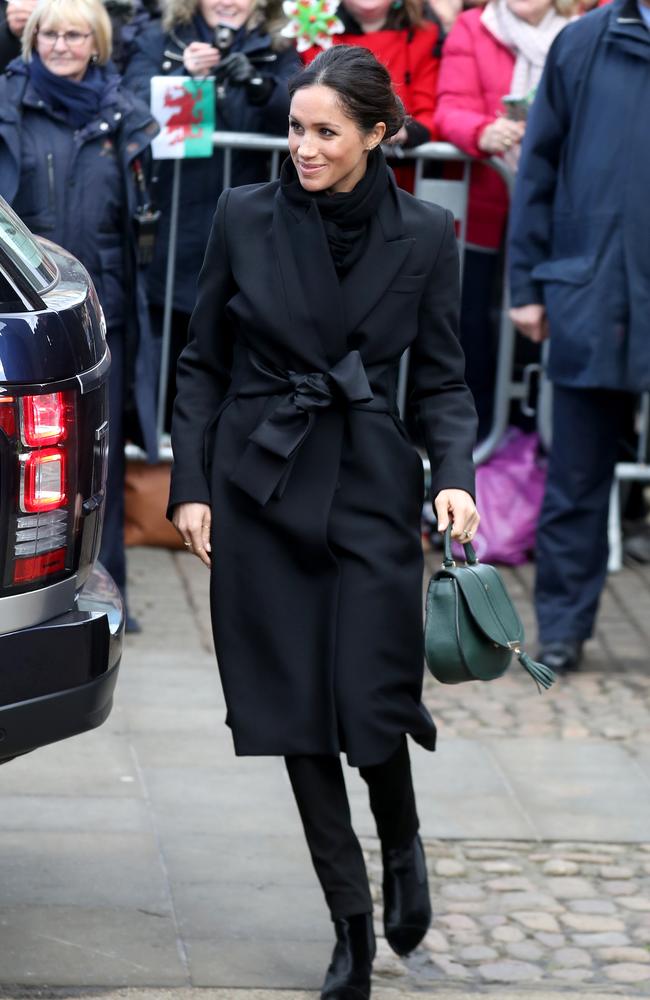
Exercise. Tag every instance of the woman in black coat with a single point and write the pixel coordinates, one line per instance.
(286, 426)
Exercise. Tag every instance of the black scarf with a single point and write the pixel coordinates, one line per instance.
(80, 101)
(345, 215)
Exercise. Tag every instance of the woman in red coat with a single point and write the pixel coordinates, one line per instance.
(490, 52)
(409, 47)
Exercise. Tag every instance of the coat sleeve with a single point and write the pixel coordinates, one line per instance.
(424, 79)
(532, 203)
(441, 401)
(460, 114)
(203, 372)
(9, 44)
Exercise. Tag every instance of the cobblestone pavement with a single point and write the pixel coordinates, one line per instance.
(527, 913)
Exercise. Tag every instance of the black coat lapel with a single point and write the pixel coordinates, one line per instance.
(383, 258)
(310, 283)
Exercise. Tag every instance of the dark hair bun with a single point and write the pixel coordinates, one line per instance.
(362, 83)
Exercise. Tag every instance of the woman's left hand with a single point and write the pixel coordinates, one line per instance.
(457, 506)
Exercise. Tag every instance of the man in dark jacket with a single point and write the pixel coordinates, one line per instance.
(580, 271)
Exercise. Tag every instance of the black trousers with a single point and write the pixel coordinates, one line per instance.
(572, 546)
(319, 789)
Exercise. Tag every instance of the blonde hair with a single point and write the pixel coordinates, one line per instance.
(59, 11)
(265, 14)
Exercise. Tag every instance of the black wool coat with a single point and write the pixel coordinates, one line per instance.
(285, 422)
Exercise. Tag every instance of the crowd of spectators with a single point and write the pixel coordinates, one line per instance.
(76, 131)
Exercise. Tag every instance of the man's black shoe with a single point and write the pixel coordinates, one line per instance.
(561, 656)
(348, 977)
(407, 905)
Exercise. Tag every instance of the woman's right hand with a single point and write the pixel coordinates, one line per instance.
(199, 58)
(501, 135)
(192, 521)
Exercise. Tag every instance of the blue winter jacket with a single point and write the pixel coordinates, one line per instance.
(580, 219)
(78, 189)
(158, 54)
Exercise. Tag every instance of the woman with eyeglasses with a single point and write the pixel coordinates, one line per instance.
(73, 155)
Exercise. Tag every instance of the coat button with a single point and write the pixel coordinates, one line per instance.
(166, 65)
(104, 126)
(117, 116)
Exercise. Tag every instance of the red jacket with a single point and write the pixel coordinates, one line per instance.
(410, 57)
(475, 74)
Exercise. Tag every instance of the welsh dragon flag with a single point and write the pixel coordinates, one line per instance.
(184, 108)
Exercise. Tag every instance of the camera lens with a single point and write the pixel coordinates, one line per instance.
(223, 37)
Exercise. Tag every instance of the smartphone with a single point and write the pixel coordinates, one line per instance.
(516, 108)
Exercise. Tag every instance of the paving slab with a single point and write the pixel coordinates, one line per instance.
(588, 790)
(95, 869)
(461, 792)
(221, 913)
(59, 945)
(294, 964)
(58, 814)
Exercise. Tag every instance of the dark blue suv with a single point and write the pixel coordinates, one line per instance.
(61, 616)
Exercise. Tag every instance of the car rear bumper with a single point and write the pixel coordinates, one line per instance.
(57, 679)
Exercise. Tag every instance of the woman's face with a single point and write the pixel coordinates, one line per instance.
(231, 12)
(328, 150)
(371, 14)
(532, 11)
(66, 47)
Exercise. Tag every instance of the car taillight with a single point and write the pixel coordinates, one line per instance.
(8, 416)
(43, 419)
(36, 567)
(42, 480)
(39, 428)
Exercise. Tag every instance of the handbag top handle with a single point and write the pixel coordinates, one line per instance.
(448, 559)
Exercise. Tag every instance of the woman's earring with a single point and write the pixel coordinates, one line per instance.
(94, 59)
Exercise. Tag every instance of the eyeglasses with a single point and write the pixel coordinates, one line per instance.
(71, 38)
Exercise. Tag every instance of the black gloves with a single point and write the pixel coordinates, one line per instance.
(237, 68)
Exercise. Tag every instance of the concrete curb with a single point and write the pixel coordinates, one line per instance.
(99, 993)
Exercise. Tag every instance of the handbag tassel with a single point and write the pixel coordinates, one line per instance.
(542, 675)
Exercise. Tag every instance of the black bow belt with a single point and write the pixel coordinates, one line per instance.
(266, 463)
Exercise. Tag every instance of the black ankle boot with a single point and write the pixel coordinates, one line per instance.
(407, 906)
(348, 977)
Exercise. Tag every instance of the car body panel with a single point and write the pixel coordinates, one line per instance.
(61, 627)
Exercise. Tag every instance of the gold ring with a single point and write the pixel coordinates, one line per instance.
(467, 534)
(188, 545)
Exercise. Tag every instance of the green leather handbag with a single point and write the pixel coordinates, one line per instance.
(472, 628)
